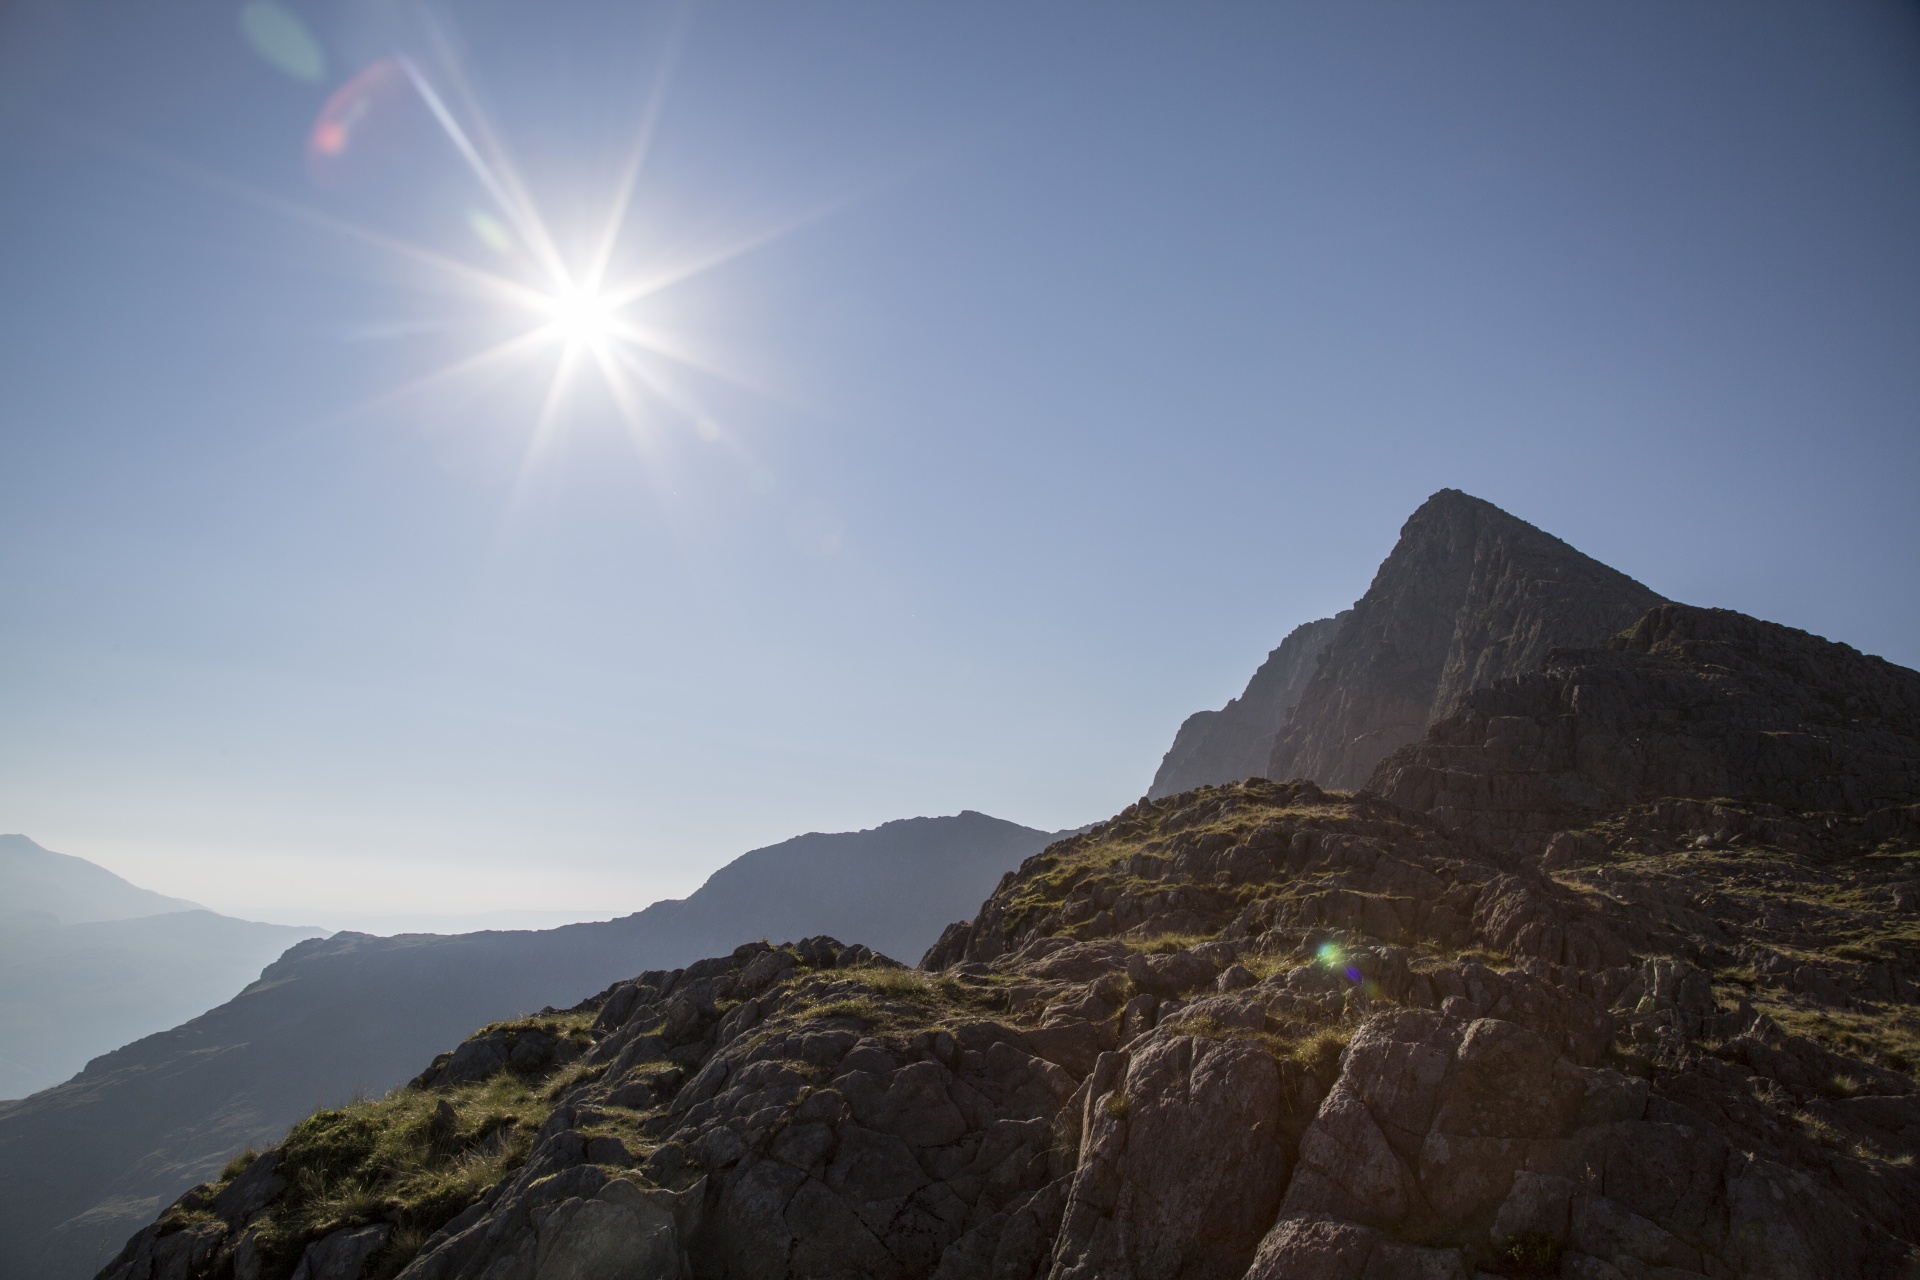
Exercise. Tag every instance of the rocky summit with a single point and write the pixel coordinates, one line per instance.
(1468, 595)
(1612, 974)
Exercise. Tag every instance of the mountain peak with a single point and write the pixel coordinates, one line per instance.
(1469, 594)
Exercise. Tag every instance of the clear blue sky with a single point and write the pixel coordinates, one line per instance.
(1085, 350)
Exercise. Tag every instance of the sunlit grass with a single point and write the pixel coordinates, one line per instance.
(900, 999)
(413, 1158)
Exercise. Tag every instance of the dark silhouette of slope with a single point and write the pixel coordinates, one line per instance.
(1469, 595)
(84, 1163)
(1236, 741)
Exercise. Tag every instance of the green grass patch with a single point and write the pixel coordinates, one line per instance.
(903, 999)
(412, 1159)
(1207, 816)
(1319, 1051)
(1887, 1038)
(1165, 944)
(866, 1010)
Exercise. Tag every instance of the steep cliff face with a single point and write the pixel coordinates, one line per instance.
(1693, 704)
(1468, 595)
(1620, 1028)
(1236, 741)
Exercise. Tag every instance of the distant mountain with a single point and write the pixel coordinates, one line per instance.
(70, 992)
(83, 1164)
(893, 887)
(1469, 595)
(1236, 741)
(72, 890)
(89, 962)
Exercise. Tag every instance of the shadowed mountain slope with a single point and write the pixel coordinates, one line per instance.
(1624, 983)
(82, 1163)
(1236, 741)
(1468, 595)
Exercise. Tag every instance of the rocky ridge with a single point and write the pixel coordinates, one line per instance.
(1613, 975)
(1259, 1030)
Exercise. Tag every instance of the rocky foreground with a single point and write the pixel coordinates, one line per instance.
(1611, 975)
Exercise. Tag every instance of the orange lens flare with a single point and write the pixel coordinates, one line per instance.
(365, 127)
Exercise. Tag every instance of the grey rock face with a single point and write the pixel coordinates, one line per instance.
(1330, 1249)
(1180, 1170)
(618, 1234)
(1458, 1138)
(256, 1187)
(1236, 741)
(342, 1255)
(1468, 595)
(1700, 703)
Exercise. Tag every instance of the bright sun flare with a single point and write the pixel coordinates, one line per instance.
(587, 315)
(582, 317)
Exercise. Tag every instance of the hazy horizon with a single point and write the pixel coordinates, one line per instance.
(1001, 386)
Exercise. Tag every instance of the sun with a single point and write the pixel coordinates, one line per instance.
(569, 315)
(582, 317)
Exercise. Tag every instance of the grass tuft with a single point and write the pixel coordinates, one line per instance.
(413, 1158)
(238, 1165)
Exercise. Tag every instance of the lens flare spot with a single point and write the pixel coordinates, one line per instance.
(277, 34)
(490, 230)
(366, 128)
(1330, 954)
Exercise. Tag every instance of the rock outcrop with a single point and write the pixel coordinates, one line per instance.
(1250, 1031)
(1469, 595)
(1236, 741)
(1615, 975)
(1700, 704)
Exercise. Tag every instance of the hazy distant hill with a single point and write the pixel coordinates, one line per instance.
(89, 962)
(72, 890)
(82, 1164)
(69, 993)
